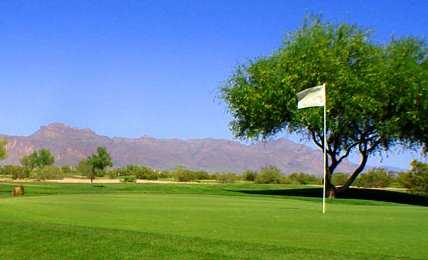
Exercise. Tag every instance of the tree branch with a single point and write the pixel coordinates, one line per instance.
(351, 179)
(314, 138)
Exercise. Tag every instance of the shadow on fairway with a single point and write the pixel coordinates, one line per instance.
(355, 193)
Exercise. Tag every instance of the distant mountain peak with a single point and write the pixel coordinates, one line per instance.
(56, 130)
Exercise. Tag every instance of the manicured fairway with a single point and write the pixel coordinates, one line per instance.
(202, 221)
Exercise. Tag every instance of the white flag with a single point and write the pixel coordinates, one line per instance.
(312, 97)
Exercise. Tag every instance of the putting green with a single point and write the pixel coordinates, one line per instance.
(190, 226)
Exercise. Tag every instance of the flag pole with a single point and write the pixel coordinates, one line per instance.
(325, 151)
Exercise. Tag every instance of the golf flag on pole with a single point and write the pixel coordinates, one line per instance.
(312, 97)
(316, 97)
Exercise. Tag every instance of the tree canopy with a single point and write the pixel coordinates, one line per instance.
(377, 94)
(38, 159)
(96, 163)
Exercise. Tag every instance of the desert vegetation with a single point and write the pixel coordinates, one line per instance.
(39, 166)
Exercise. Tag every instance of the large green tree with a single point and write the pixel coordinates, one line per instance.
(377, 94)
(38, 159)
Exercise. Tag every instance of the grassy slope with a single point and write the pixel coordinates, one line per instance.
(202, 221)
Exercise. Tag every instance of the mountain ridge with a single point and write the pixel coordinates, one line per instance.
(70, 145)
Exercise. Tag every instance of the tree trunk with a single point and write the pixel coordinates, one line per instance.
(330, 188)
(351, 179)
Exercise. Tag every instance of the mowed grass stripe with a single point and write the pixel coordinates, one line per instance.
(53, 241)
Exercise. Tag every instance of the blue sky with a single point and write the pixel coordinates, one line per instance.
(134, 68)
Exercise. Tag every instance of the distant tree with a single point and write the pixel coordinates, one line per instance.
(249, 175)
(340, 178)
(3, 152)
(38, 159)
(99, 161)
(418, 178)
(86, 169)
(269, 175)
(375, 178)
(377, 95)
(302, 178)
(67, 170)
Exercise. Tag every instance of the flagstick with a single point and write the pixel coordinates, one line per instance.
(325, 149)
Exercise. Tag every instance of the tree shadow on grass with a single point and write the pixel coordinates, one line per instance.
(353, 193)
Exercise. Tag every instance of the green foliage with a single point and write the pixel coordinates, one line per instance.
(300, 178)
(139, 171)
(165, 175)
(339, 178)
(86, 169)
(38, 159)
(100, 160)
(183, 174)
(416, 180)
(95, 164)
(404, 180)
(249, 175)
(375, 178)
(227, 177)
(377, 93)
(128, 179)
(269, 175)
(68, 170)
(15, 172)
(3, 153)
(47, 173)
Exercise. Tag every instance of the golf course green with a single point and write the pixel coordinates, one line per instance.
(174, 221)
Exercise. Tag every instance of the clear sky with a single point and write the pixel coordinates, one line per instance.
(134, 68)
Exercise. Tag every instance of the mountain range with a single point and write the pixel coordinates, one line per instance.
(70, 145)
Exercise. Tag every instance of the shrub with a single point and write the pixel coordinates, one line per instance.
(301, 178)
(68, 170)
(145, 173)
(140, 172)
(249, 175)
(47, 173)
(404, 180)
(182, 174)
(128, 179)
(227, 177)
(285, 180)
(416, 180)
(15, 172)
(114, 173)
(165, 175)
(339, 178)
(375, 178)
(269, 175)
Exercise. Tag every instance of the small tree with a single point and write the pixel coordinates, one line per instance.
(98, 162)
(86, 169)
(38, 159)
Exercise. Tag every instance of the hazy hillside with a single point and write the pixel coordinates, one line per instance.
(70, 145)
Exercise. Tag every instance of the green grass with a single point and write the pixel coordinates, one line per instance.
(119, 221)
